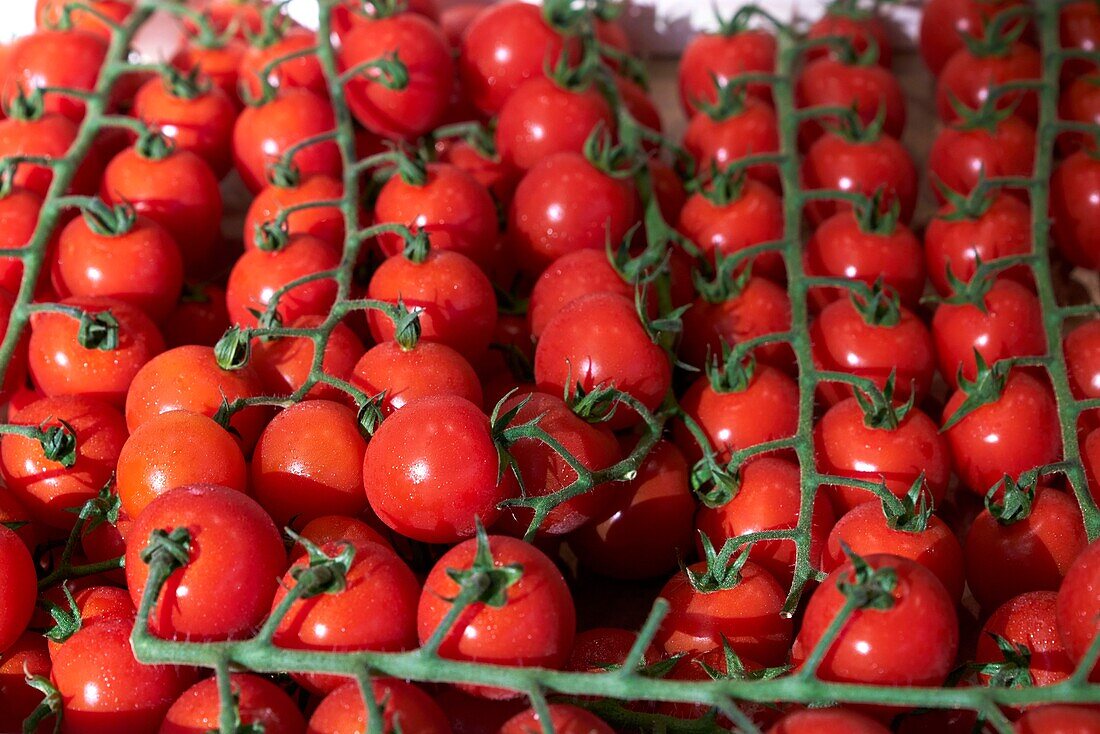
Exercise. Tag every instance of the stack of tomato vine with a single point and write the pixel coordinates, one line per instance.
(501, 411)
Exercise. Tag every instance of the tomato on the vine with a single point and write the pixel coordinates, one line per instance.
(403, 706)
(943, 23)
(1029, 619)
(863, 86)
(261, 63)
(292, 190)
(860, 166)
(50, 13)
(1079, 605)
(746, 126)
(1075, 208)
(284, 364)
(57, 59)
(259, 702)
(827, 721)
(564, 717)
(259, 274)
(990, 145)
(572, 276)
(725, 55)
(20, 587)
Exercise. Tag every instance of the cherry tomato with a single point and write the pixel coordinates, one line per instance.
(60, 365)
(403, 705)
(259, 274)
(323, 222)
(19, 212)
(1016, 432)
(173, 450)
(709, 55)
(259, 702)
(284, 364)
(943, 22)
(827, 721)
(454, 479)
(868, 89)
(403, 375)
(1080, 102)
(236, 555)
(541, 118)
(1059, 719)
(420, 46)
(15, 515)
(1079, 28)
(92, 604)
(498, 178)
(49, 14)
(834, 163)
(768, 497)
(596, 649)
(200, 317)
(68, 59)
(1075, 209)
(962, 154)
(26, 656)
(336, 529)
(1079, 604)
(749, 129)
(1030, 554)
(20, 588)
(1029, 620)
(48, 136)
(1082, 351)
(303, 72)
(564, 717)
(568, 278)
(863, 30)
(970, 79)
(219, 61)
(564, 204)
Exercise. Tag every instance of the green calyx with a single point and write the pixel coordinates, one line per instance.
(274, 23)
(875, 219)
(58, 443)
(726, 281)
(987, 117)
(866, 587)
(965, 207)
(383, 8)
(187, 85)
(611, 159)
(417, 246)
(271, 236)
(323, 574)
(712, 483)
(103, 508)
(912, 512)
(736, 23)
(997, 35)
(729, 99)
(369, 416)
(406, 324)
(154, 145)
(723, 570)
(974, 291)
(721, 186)
(26, 106)
(109, 221)
(669, 323)
(284, 174)
(172, 548)
(735, 669)
(849, 9)
(881, 307)
(488, 581)
(412, 168)
(732, 371)
(1013, 670)
(98, 330)
(595, 406)
(67, 619)
(853, 130)
(234, 350)
(987, 387)
(1010, 500)
(570, 77)
(880, 411)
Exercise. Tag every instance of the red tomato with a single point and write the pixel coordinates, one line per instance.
(219, 62)
(456, 300)
(376, 610)
(962, 153)
(323, 222)
(26, 656)
(866, 530)
(1075, 209)
(709, 55)
(768, 497)
(336, 529)
(259, 274)
(48, 136)
(1007, 323)
(420, 46)
(596, 649)
(403, 705)
(173, 450)
(1082, 351)
(15, 515)
(92, 604)
(189, 378)
(451, 206)
(104, 688)
(140, 266)
(454, 480)
(911, 642)
(178, 191)
(1079, 604)
(649, 527)
(564, 717)
(259, 702)
(1028, 620)
(236, 555)
(263, 135)
(1030, 554)
(843, 341)
(861, 29)
(834, 163)
(568, 278)
(505, 45)
(404, 375)
(749, 129)
(970, 79)
(842, 247)
(59, 365)
(598, 340)
(1079, 28)
(1080, 102)
(846, 446)
(944, 21)
(565, 204)
(956, 240)
(541, 118)
(303, 72)
(284, 364)
(20, 588)
(532, 627)
(492, 173)
(1014, 433)
(1059, 719)
(690, 668)
(19, 212)
(827, 721)
(752, 216)
(869, 89)
(200, 317)
(49, 13)
(55, 58)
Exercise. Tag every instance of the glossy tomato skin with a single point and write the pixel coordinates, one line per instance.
(142, 267)
(263, 134)
(1003, 230)
(504, 46)
(960, 155)
(219, 62)
(235, 550)
(200, 317)
(1075, 209)
(494, 174)
(846, 446)
(59, 365)
(48, 136)
(599, 340)
(868, 89)
(173, 450)
(970, 79)
(1029, 619)
(912, 643)
(1059, 719)
(726, 57)
(179, 192)
(568, 278)
(336, 529)
(438, 450)
(564, 204)
(768, 498)
(202, 124)
(534, 627)
(1080, 102)
(303, 72)
(258, 274)
(259, 702)
(92, 604)
(403, 704)
(827, 721)
(747, 615)
(1079, 604)
(323, 222)
(541, 118)
(404, 375)
(55, 58)
(457, 302)
(26, 656)
(284, 364)
(751, 130)
(1009, 436)
(839, 247)
(944, 21)
(1032, 554)
(452, 207)
(564, 717)
(19, 211)
(189, 378)
(753, 217)
(20, 588)
(862, 32)
(866, 531)
(1082, 352)
(862, 168)
(1009, 323)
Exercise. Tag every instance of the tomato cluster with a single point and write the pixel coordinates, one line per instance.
(487, 364)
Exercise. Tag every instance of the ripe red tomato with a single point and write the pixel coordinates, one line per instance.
(200, 317)
(541, 118)
(309, 462)
(497, 177)
(26, 656)
(219, 61)
(92, 604)
(599, 340)
(456, 300)
(1079, 604)
(1079, 28)
(533, 626)
(568, 278)
(564, 204)
(337, 529)
(1075, 209)
(1029, 620)
(1080, 102)
(323, 222)
(1059, 719)
(970, 80)
(827, 721)
(263, 134)
(451, 206)
(868, 89)
(1082, 351)
(1007, 323)
(140, 266)
(911, 642)
(768, 497)
(59, 365)
(285, 363)
(963, 153)
(453, 481)
(564, 717)
(1030, 554)
(944, 21)
(403, 375)
(54, 58)
(1014, 433)
(403, 705)
(236, 555)
(178, 191)
(303, 72)
(649, 526)
(48, 136)
(861, 29)
(49, 13)
(258, 274)
(749, 129)
(713, 55)
(189, 378)
(259, 701)
(173, 450)
(19, 212)
(20, 588)
(419, 44)
(865, 167)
